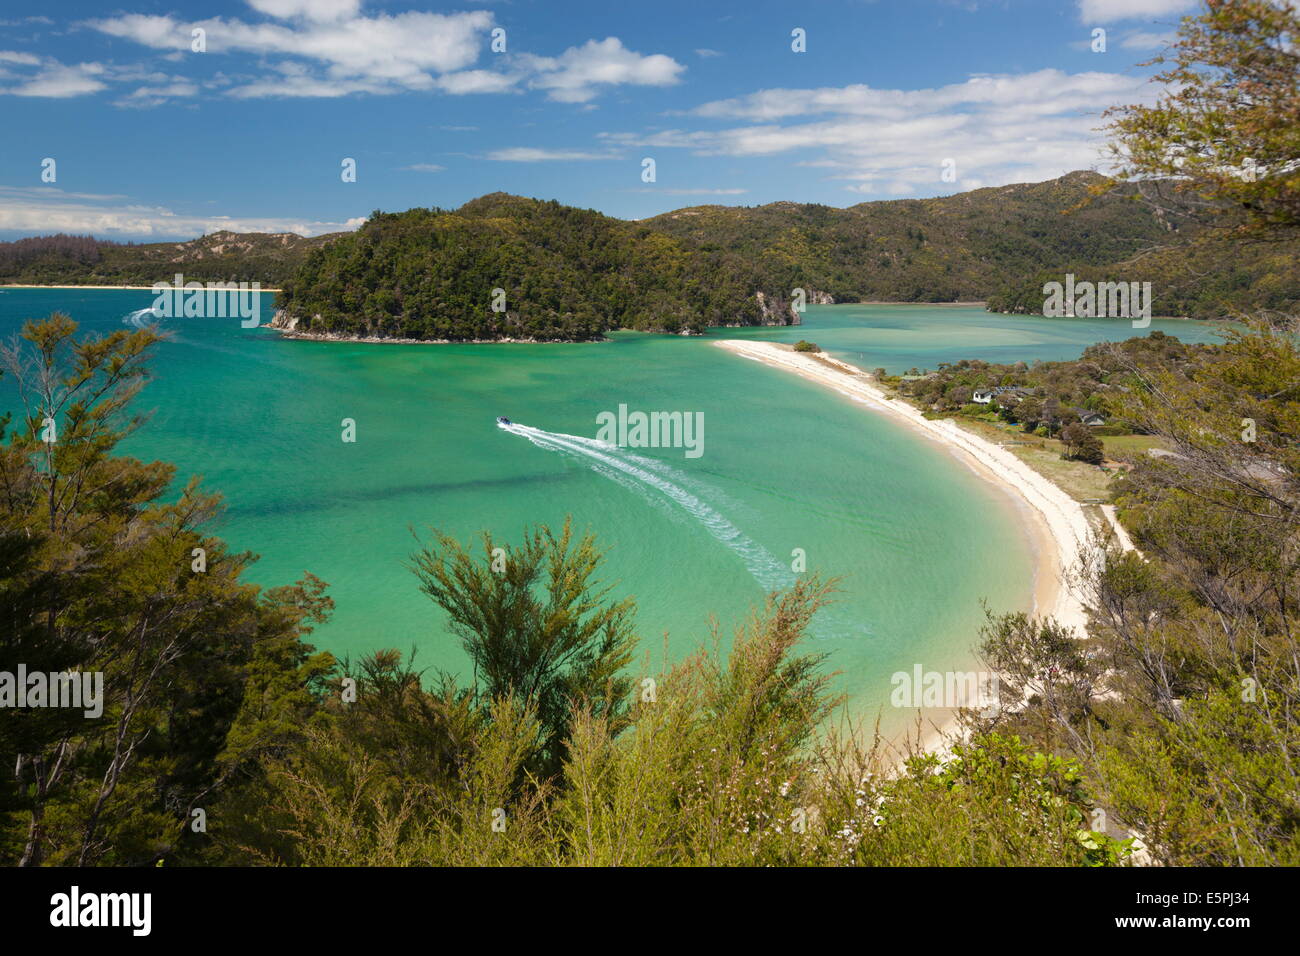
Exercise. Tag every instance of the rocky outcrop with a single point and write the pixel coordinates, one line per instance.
(284, 322)
(780, 311)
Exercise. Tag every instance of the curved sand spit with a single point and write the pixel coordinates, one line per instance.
(1064, 529)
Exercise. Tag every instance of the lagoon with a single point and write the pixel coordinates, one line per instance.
(915, 538)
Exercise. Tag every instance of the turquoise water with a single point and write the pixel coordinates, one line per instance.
(900, 337)
(915, 537)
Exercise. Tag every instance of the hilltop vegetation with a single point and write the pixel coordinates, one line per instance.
(954, 248)
(574, 274)
(268, 258)
(1206, 277)
(563, 274)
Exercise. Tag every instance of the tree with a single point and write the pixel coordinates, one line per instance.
(1029, 412)
(536, 625)
(1081, 444)
(99, 577)
(1225, 133)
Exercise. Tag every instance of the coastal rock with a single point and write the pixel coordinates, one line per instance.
(779, 311)
(284, 322)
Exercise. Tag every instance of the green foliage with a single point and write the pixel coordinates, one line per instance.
(721, 761)
(805, 346)
(566, 274)
(1180, 704)
(535, 624)
(96, 576)
(1081, 444)
(1226, 127)
(216, 257)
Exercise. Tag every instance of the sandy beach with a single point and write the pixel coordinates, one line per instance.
(1059, 527)
(1062, 528)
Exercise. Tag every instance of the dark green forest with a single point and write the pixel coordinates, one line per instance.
(572, 274)
(564, 274)
(268, 258)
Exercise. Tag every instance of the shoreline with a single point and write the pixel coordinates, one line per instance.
(138, 288)
(1057, 526)
(383, 340)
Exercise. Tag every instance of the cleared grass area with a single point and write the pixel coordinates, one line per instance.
(1080, 481)
(1130, 444)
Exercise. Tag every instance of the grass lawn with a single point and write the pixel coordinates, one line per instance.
(1129, 444)
(1081, 481)
(1077, 479)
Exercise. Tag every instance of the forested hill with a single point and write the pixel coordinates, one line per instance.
(954, 248)
(268, 258)
(563, 274)
(569, 273)
(997, 245)
(572, 274)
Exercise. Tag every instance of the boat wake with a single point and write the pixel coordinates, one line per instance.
(141, 318)
(648, 477)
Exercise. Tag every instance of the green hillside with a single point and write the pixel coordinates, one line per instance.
(961, 247)
(566, 274)
(268, 258)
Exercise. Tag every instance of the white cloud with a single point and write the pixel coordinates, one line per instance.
(371, 54)
(1144, 40)
(529, 154)
(58, 81)
(705, 53)
(1045, 91)
(338, 51)
(320, 10)
(425, 168)
(577, 74)
(22, 59)
(476, 81)
(998, 129)
(1108, 11)
(47, 210)
(149, 96)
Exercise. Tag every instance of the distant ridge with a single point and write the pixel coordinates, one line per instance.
(574, 274)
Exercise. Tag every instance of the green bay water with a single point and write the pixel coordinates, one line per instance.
(915, 537)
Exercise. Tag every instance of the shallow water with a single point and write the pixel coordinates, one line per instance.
(915, 538)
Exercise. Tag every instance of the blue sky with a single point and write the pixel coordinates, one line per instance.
(152, 139)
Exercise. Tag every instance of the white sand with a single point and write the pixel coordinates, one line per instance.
(1064, 531)
(1061, 529)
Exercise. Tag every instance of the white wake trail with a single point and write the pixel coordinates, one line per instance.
(605, 458)
(137, 318)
